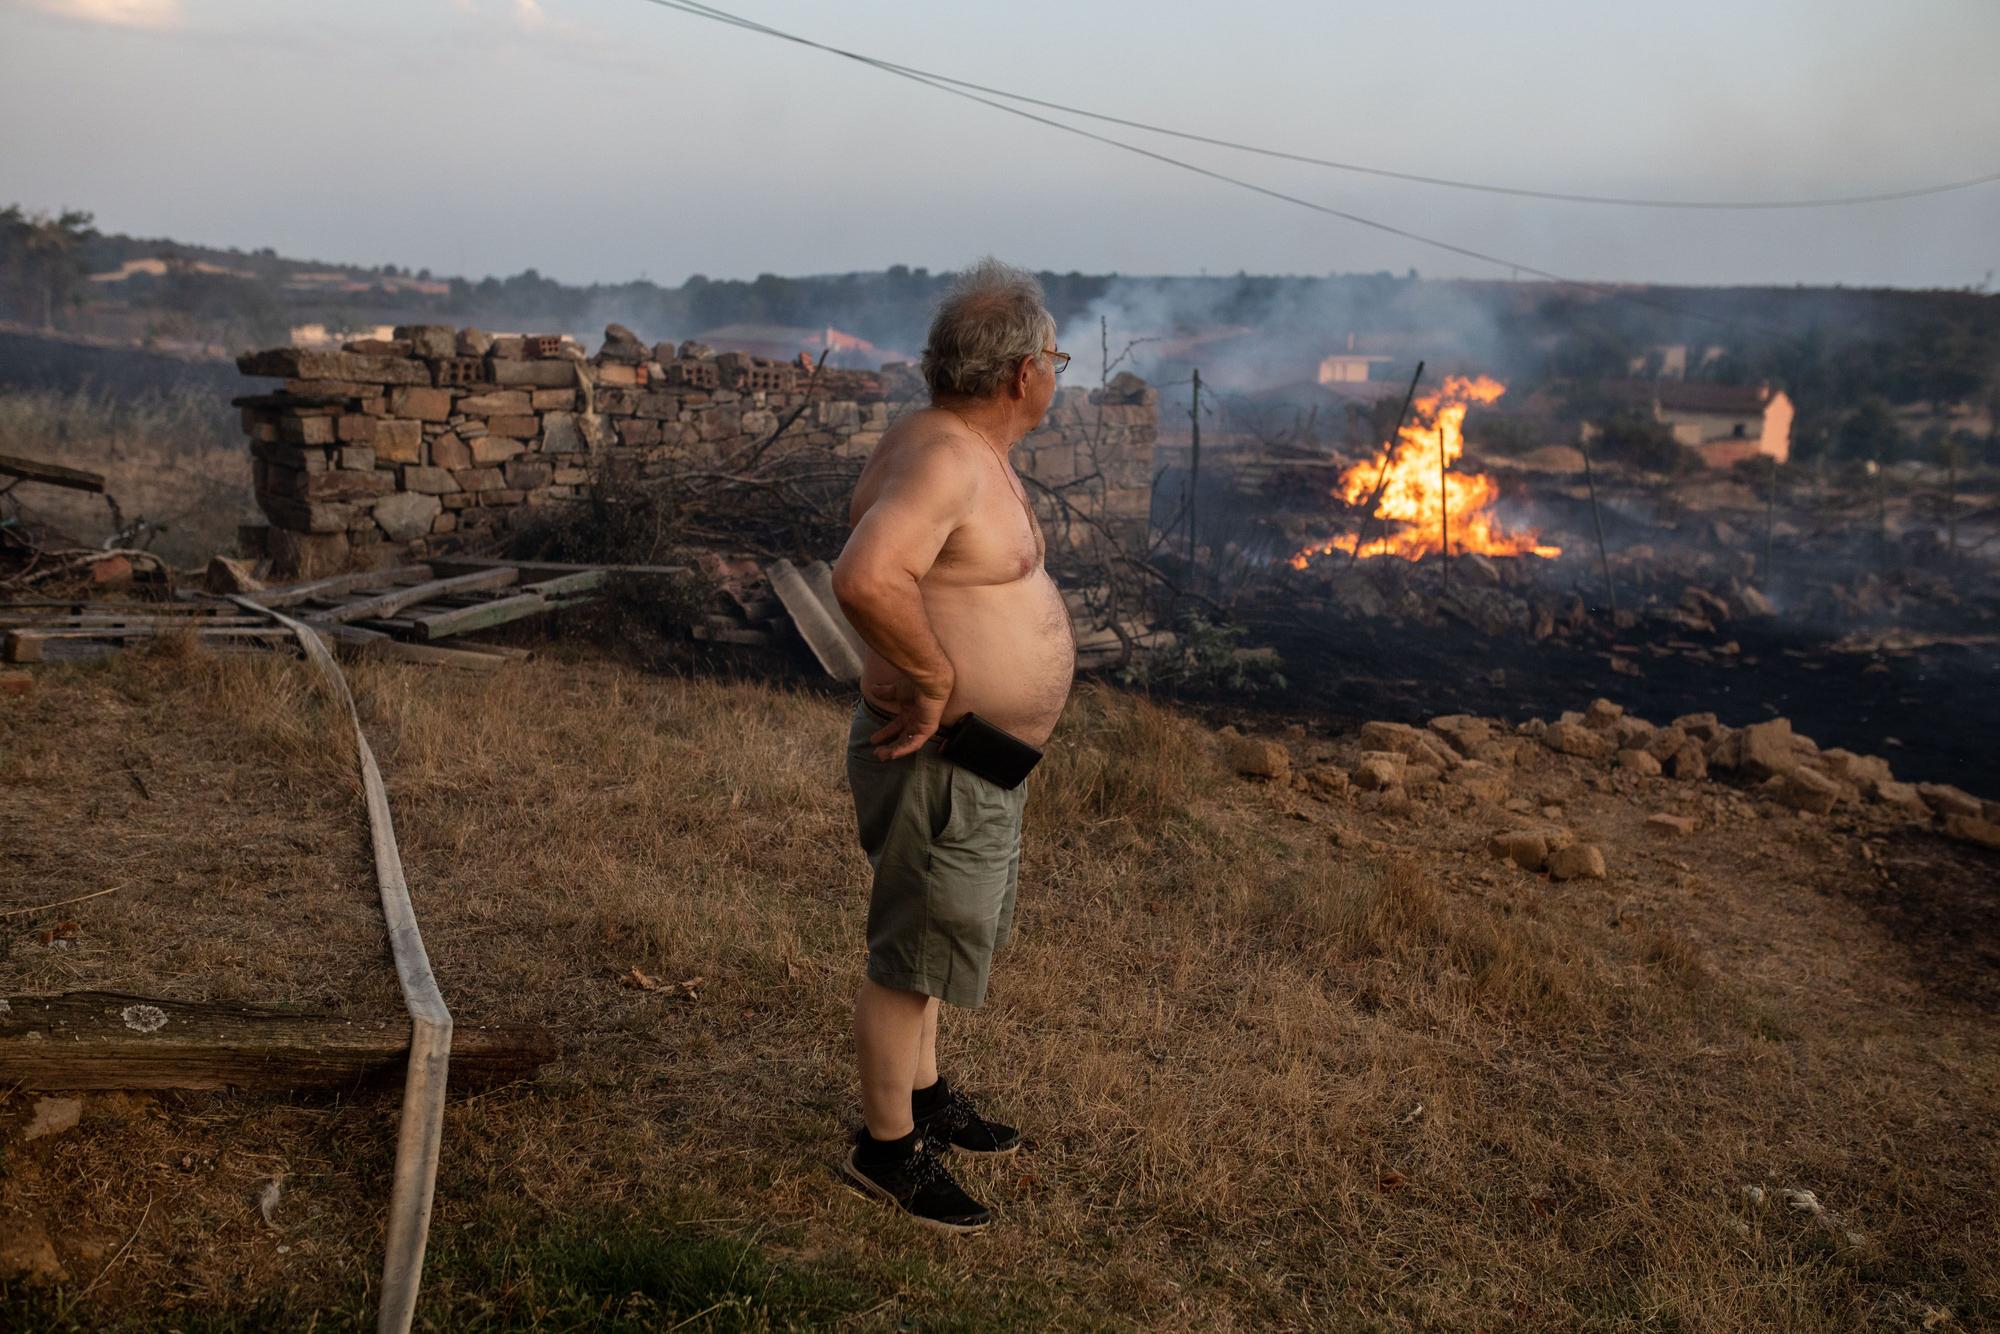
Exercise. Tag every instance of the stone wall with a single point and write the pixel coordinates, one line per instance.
(441, 439)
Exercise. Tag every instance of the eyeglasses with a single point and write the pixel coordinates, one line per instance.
(1058, 360)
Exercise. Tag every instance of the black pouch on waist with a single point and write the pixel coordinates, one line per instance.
(995, 754)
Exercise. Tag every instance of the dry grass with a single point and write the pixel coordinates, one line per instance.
(1267, 1082)
(175, 459)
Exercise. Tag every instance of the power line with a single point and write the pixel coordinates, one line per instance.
(1605, 289)
(1387, 173)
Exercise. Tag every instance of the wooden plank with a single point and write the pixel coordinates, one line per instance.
(110, 1040)
(335, 585)
(393, 601)
(815, 625)
(30, 645)
(530, 568)
(819, 578)
(137, 622)
(420, 1131)
(530, 601)
(431, 655)
(51, 474)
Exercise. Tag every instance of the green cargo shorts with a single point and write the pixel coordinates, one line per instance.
(946, 848)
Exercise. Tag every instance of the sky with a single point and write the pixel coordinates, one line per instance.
(605, 140)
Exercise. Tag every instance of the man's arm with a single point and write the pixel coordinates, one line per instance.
(927, 498)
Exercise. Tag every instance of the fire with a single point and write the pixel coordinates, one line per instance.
(1416, 495)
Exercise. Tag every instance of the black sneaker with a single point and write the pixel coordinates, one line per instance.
(956, 1124)
(920, 1187)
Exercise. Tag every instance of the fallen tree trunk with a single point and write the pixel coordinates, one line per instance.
(109, 1040)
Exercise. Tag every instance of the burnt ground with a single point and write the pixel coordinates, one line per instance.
(1931, 712)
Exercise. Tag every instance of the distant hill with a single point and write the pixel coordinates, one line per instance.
(1836, 351)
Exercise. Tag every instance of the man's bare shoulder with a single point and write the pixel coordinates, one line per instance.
(930, 445)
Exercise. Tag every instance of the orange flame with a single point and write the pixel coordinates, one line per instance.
(1415, 495)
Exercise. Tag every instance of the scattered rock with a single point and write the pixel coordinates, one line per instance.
(25, 1249)
(1749, 603)
(1639, 762)
(1947, 800)
(1660, 822)
(1419, 746)
(473, 342)
(1578, 861)
(1757, 752)
(1259, 757)
(1804, 790)
(1901, 796)
(1631, 733)
(1664, 742)
(1860, 770)
(1573, 738)
(1325, 780)
(1688, 763)
(225, 575)
(1702, 726)
(1973, 829)
(1602, 713)
(52, 1116)
(1378, 770)
(1480, 780)
(1526, 848)
(1465, 732)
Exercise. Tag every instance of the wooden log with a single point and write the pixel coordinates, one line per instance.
(393, 601)
(814, 623)
(530, 601)
(110, 1040)
(51, 474)
(335, 585)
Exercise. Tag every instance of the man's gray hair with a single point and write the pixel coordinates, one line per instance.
(991, 318)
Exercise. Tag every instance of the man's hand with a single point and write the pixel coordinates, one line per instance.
(918, 714)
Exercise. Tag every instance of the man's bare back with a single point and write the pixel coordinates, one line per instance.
(996, 613)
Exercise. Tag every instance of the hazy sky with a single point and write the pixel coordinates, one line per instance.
(611, 139)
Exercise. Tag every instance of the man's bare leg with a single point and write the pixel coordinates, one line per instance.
(889, 1027)
(927, 1047)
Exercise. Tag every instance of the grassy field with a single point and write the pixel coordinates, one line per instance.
(1282, 1063)
(175, 459)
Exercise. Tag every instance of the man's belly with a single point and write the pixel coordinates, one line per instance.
(1011, 650)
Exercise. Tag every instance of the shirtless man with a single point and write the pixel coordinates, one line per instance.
(942, 576)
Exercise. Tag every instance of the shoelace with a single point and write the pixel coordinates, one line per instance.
(954, 1114)
(928, 1168)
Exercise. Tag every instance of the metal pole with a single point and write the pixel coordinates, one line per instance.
(1603, 557)
(1388, 452)
(1194, 463)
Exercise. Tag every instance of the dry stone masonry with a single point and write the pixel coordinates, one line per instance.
(440, 438)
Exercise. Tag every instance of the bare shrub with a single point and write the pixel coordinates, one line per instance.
(176, 467)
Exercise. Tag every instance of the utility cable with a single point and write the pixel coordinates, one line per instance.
(1387, 173)
(1484, 257)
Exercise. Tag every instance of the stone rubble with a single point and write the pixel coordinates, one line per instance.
(1472, 763)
